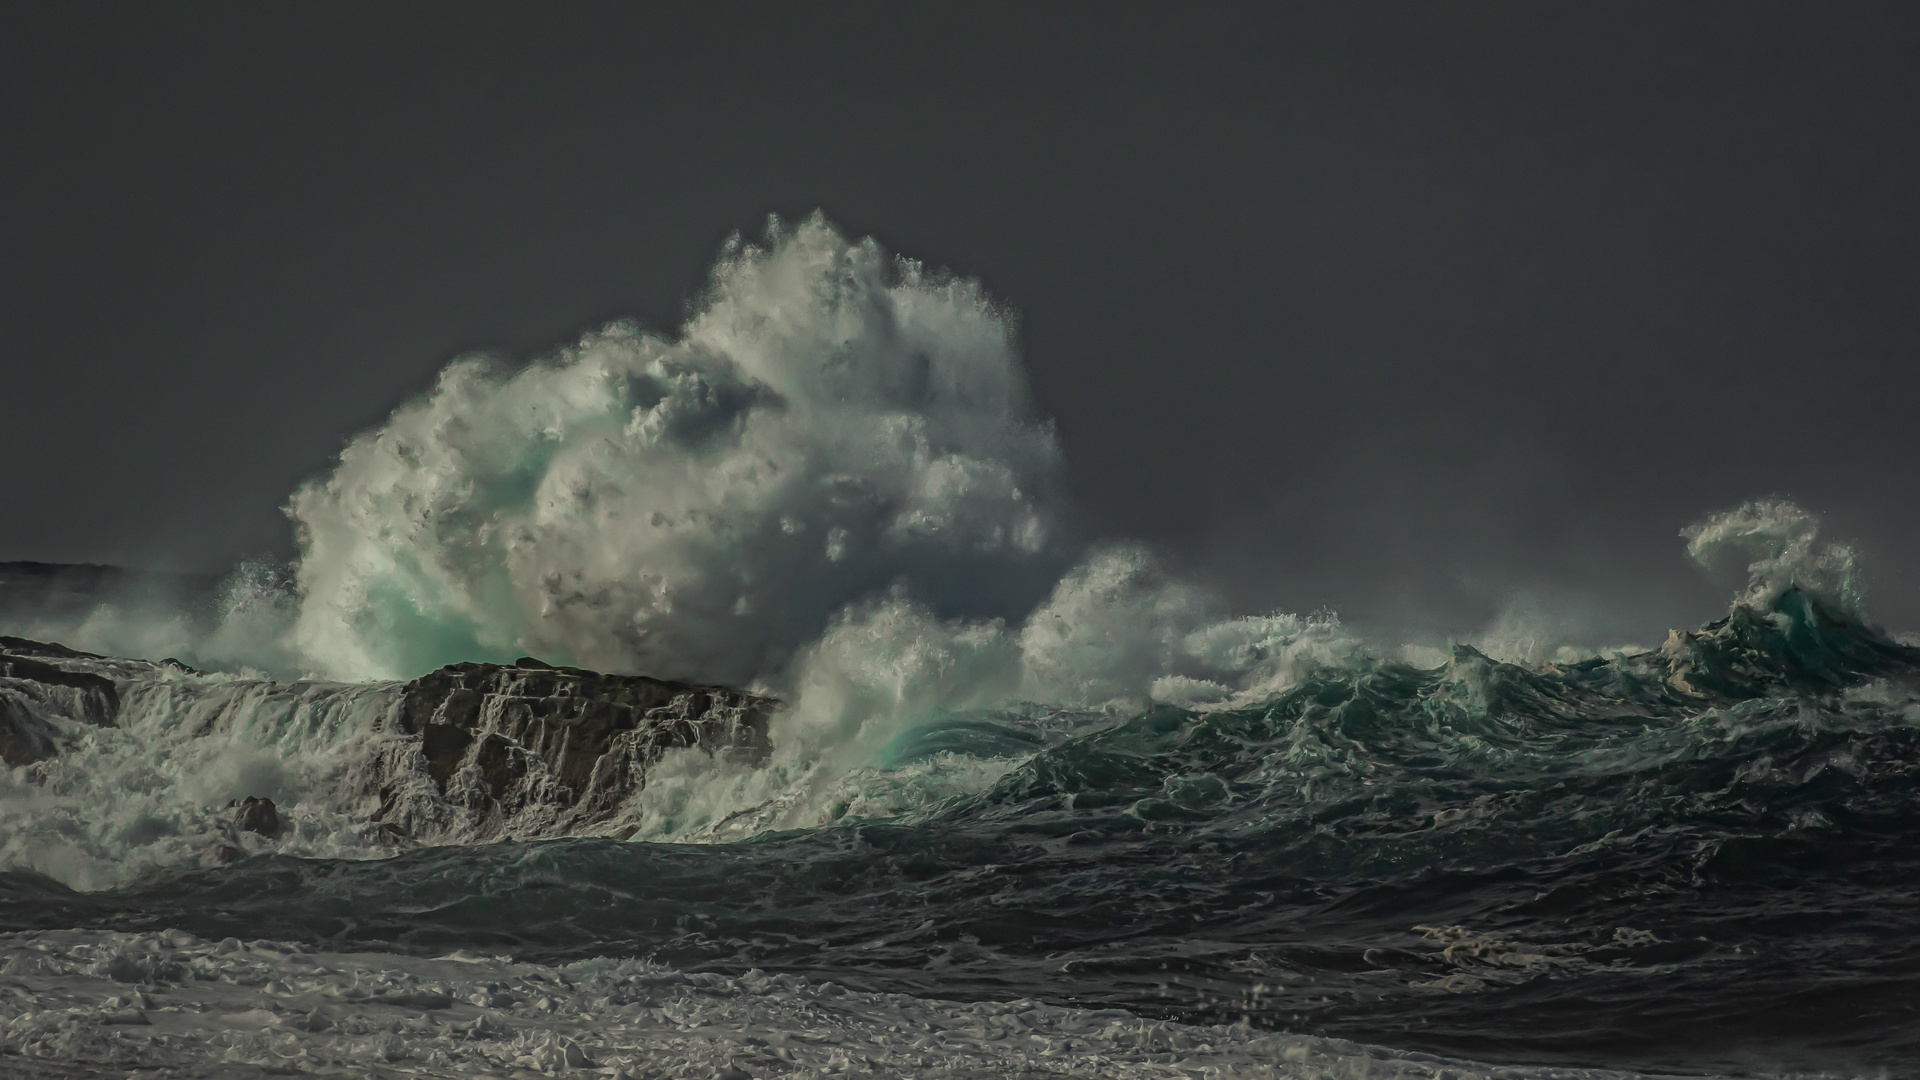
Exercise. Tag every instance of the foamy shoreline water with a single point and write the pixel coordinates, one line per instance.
(82, 1003)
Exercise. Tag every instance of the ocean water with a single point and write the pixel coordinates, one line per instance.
(1600, 863)
(1031, 809)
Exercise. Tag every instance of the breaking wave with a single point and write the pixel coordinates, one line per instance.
(1003, 763)
(832, 422)
(828, 485)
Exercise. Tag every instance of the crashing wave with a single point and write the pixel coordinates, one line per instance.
(831, 423)
(125, 765)
(1782, 542)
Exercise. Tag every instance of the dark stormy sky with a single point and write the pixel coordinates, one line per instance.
(1401, 310)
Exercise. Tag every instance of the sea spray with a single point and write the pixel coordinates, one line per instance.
(1007, 766)
(1116, 633)
(149, 790)
(833, 422)
(1691, 858)
(1782, 542)
(828, 485)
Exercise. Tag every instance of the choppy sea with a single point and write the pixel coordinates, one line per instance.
(1703, 859)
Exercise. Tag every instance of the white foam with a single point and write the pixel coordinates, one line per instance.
(831, 421)
(1781, 540)
(1115, 632)
(83, 1002)
(152, 791)
(827, 485)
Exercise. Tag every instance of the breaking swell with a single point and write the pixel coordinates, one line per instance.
(911, 785)
(1698, 857)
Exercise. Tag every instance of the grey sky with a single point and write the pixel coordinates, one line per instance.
(1399, 310)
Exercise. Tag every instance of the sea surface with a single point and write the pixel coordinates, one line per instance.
(1033, 805)
(1700, 859)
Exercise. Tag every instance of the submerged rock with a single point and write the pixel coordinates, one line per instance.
(535, 750)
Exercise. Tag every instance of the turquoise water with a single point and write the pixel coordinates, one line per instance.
(1703, 858)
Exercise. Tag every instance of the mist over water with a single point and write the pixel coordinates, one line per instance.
(828, 485)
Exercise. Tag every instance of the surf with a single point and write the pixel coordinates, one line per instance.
(768, 645)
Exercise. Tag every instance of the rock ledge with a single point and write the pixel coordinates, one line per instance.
(534, 750)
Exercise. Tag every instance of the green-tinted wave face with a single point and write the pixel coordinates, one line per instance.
(949, 733)
(1695, 858)
(1006, 763)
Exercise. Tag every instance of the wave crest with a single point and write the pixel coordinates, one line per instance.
(832, 421)
(1782, 543)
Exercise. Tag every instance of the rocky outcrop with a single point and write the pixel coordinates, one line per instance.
(469, 753)
(256, 815)
(36, 693)
(534, 750)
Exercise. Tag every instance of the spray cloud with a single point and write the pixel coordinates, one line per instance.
(831, 422)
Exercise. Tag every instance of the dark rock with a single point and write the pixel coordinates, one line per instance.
(536, 749)
(34, 691)
(444, 746)
(25, 737)
(256, 815)
(19, 646)
(101, 689)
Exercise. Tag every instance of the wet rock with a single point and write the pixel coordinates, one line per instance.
(36, 692)
(534, 749)
(445, 747)
(18, 646)
(25, 737)
(256, 815)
